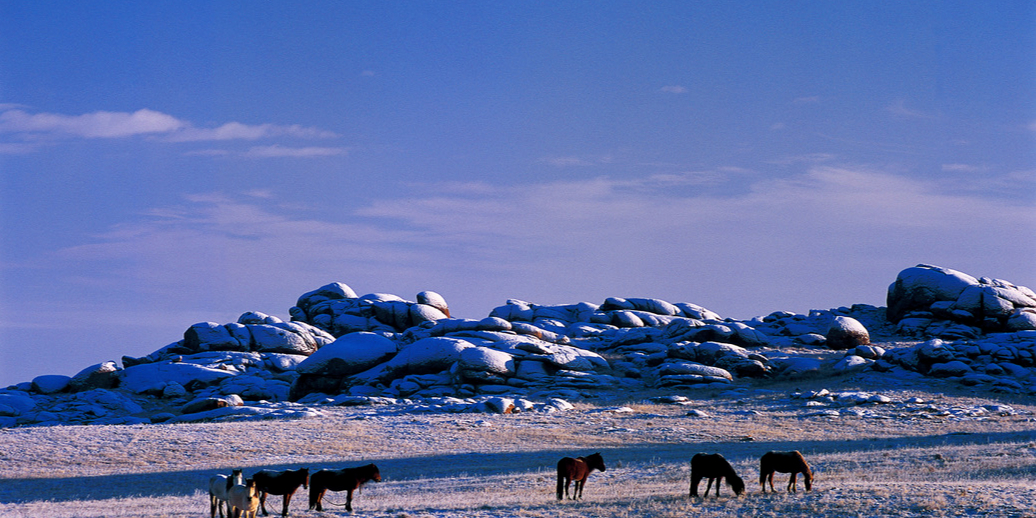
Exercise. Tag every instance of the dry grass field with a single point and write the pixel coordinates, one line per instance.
(478, 465)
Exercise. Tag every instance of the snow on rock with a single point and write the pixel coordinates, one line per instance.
(925, 295)
(342, 345)
(423, 356)
(348, 355)
(846, 333)
(102, 375)
(153, 377)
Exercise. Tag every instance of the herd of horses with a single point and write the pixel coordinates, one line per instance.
(245, 497)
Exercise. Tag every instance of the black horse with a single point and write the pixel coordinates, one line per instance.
(280, 483)
(715, 468)
(348, 479)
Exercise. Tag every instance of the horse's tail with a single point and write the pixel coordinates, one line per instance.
(561, 485)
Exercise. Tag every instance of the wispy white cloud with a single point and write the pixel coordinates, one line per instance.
(674, 89)
(144, 122)
(577, 161)
(278, 150)
(965, 168)
(239, 131)
(827, 236)
(18, 148)
(899, 109)
(101, 124)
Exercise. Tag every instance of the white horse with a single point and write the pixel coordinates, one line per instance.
(218, 487)
(243, 498)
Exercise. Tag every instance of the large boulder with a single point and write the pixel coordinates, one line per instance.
(484, 359)
(846, 333)
(424, 356)
(931, 293)
(210, 336)
(50, 383)
(100, 376)
(348, 355)
(152, 377)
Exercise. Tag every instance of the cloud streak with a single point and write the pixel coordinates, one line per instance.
(101, 124)
(143, 122)
(830, 235)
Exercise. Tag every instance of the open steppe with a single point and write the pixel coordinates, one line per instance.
(453, 465)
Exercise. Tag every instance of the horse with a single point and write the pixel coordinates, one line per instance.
(577, 470)
(347, 479)
(785, 462)
(280, 483)
(714, 467)
(218, 486)
(243, 499)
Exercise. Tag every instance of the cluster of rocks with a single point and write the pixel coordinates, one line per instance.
(931, 301)
(1005, 362)
(340, 345)
(870, 405)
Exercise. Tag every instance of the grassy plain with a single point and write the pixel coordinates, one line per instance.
(478, 465)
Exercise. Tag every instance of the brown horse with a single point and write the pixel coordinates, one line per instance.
(348, 479)
(715, 468)
(280, 483)
(577, 470)
(785, 462)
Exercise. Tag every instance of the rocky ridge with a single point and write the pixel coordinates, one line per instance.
(343, 349)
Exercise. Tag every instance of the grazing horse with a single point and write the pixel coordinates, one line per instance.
(243, 499)
(280, 483)
(714, 467)
(577, 470)
(218, 486)
(785, 462)
(348, 479)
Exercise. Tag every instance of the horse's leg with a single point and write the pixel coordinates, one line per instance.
(708, 485)
(349, 501)
(578, 493)
(568, 484)
(791, 482)
(695, 480)
(287, 500)
(314, 498)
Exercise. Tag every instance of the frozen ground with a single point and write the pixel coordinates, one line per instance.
(920, 447)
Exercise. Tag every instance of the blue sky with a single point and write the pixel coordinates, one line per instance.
(166, 163)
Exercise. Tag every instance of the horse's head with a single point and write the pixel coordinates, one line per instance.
(736, 484)
(373, 472)
(596, 461)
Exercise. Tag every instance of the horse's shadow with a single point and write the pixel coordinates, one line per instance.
(188, 482)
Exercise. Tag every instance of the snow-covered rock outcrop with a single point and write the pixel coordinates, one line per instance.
(343, 349)
(930, 300)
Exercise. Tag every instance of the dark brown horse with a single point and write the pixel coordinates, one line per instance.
(348, 479)
(577, 470)
(280, 483)
(785, 462)
(715, 468)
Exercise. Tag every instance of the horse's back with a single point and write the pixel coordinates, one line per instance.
(218, 486)
(784, 461)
